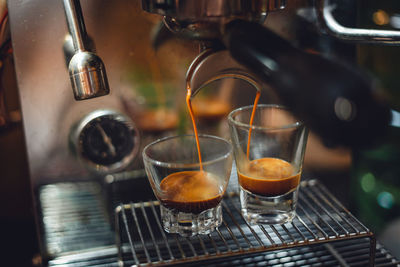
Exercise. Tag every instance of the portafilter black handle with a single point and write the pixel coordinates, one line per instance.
(335, 100)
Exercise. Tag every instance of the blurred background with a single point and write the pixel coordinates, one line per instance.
(149, 86)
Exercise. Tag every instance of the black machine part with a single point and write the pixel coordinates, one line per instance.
(335, 100)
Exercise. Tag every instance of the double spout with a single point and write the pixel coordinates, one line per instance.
(215, 64)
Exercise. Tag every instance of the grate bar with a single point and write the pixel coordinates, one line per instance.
(125, 220)
(150, 231)
(307, 228)
(140, 234)
(202, 245)
(161, 230)
(372, 250)
(277, 233)
(191, 247)
(118, 239)
(180, 247)
(232, 235)
(251, 229)
(298, 231)
(213, 243)
(288, 233)
(267, 235)
(236, 223)
(337, 256)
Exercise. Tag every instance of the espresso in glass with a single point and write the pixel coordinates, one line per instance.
(190, 194)
(269, 177)
(191, 191)
(269, 146)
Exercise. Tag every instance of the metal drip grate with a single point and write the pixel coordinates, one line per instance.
(321, 219)
(74, 217)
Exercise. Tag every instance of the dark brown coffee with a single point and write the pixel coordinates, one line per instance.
(269, 177)
(191, 191)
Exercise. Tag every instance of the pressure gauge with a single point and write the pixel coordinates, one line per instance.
(106, 140)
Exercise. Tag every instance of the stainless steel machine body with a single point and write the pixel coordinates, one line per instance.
(38, 32)
(62, 135)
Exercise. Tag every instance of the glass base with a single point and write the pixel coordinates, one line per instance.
(189, 224)
(258, 209)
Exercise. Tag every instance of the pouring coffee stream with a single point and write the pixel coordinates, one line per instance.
(212, 65)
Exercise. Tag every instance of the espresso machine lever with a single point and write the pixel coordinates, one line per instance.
(86, 70)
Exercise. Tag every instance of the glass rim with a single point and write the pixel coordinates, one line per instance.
(232, 121)
(186, 165)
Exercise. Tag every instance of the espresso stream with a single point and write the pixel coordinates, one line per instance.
(191, 191)
(267, 176)
(196, 191)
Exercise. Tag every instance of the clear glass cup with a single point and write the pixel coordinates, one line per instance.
(269, 169)
(190, 193)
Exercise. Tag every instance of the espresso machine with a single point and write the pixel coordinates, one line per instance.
(88, 73)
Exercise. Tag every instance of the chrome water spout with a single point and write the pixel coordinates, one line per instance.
(86, 70)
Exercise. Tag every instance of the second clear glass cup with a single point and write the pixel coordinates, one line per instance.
(269, 157)
(190, 193)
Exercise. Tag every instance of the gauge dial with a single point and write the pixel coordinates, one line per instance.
(107, 140)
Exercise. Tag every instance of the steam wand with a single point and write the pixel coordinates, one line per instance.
(86, 70)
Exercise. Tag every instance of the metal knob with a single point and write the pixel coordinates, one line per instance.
(86, 70)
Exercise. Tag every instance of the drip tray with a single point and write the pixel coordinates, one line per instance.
(71, 209)
(323, 229)
(74, 218)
